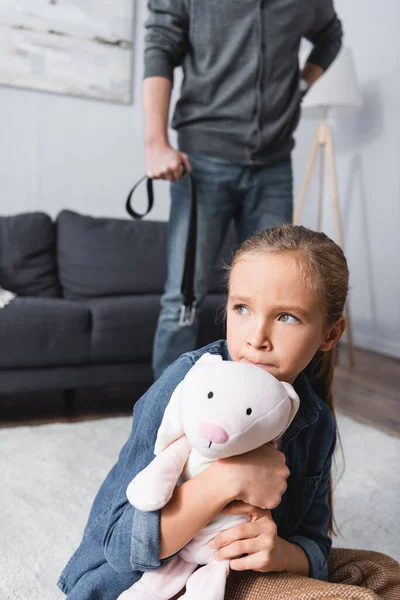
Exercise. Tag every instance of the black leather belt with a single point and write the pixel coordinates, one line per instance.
(188, 308)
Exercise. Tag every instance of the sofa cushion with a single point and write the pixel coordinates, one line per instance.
(44, 332)
(110, 257)
(27, 255)
(123, 327)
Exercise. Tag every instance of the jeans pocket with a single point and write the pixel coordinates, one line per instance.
(213, 171)
(207, 161)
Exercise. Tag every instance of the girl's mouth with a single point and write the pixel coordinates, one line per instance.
(258, 364)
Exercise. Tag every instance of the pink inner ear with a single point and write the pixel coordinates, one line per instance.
(213, 433)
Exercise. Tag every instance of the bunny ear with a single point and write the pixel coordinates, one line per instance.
(294, 400)
(171, 427)
(209, 358)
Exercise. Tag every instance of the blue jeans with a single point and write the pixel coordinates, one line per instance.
(255, 197)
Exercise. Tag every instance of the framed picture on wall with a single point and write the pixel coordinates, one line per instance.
(75, 47)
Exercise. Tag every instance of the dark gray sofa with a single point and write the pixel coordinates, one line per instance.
(88, 292)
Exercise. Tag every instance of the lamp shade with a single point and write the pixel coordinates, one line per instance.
(336, 91)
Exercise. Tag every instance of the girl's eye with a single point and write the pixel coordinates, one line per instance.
(240, 309)
(286, 318)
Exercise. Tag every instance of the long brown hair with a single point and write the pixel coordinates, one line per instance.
(322, 263)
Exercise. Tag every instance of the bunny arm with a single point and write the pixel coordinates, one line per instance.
(153, 487)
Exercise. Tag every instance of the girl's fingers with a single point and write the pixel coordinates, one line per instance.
(253, 562)
(239, 532)
(237, 507)
(261, 513)
(242, 508)
(238, 548)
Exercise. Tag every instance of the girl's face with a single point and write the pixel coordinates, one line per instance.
(274, 319)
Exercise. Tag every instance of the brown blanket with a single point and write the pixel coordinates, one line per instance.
(353, 575)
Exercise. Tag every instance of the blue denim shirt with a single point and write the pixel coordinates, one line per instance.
(120, 542)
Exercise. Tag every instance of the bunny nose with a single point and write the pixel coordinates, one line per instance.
(214, 433)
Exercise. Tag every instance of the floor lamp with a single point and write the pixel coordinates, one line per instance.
(336, 93)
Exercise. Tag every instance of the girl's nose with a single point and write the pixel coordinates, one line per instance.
(214, 433)
(259, 338)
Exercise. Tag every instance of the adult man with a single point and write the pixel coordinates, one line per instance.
(238, 108)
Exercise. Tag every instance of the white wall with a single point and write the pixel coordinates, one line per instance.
(368, 150)
(62, 152)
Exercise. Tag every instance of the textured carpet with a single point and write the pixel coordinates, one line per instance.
(51, 473)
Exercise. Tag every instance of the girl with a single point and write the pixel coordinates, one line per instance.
(287, 290)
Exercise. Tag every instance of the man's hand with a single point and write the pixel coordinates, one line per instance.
(311, 73)
(164, 162)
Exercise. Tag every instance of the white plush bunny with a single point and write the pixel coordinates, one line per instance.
(220, 409)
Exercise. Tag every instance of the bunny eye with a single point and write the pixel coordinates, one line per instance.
(210, 395)
(248, 411)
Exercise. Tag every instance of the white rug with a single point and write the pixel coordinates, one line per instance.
(51, 473)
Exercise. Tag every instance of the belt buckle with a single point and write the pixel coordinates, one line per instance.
(187, 315)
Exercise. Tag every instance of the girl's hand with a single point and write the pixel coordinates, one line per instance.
(254, 545)
(257, 477)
